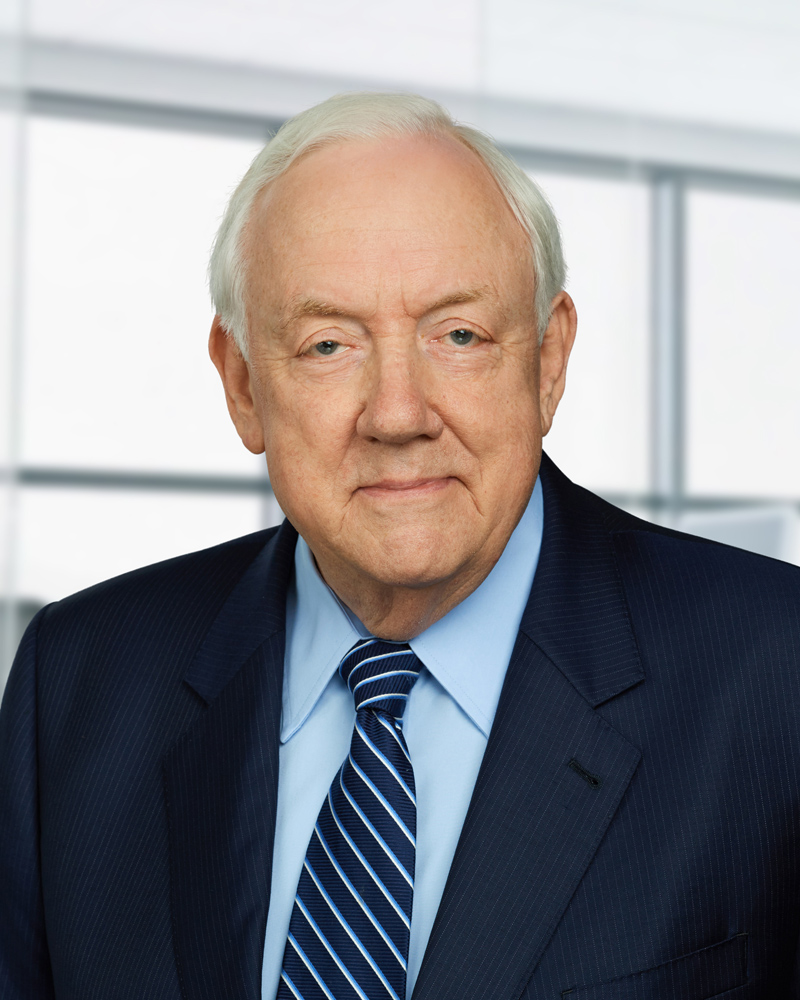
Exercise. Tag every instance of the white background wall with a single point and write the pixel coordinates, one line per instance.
(123, 127)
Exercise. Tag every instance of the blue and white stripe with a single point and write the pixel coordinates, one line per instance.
(349, 931)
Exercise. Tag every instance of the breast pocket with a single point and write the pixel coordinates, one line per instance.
(699, 976)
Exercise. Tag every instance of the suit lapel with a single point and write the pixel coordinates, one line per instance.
(221, 781)
(537, 815)
(554, 771)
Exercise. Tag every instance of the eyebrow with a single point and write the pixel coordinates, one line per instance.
(473, 294)
(318, 307)
(310, 307)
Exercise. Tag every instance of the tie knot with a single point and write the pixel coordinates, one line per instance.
(380, 674)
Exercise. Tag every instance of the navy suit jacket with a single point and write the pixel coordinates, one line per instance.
(633, 833)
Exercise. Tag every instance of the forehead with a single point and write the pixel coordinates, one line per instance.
(419, 212)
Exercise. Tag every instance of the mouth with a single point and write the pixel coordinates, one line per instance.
(406, 488)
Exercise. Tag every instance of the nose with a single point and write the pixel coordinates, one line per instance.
(398, 407)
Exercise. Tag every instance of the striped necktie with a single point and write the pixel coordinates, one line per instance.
(349, 931)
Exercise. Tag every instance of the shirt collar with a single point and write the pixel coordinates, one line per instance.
(467, 650)
(318, 634)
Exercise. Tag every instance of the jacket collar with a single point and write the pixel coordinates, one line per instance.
(254, 611)
(577, 613)
(554, 771)
(221, 783)
(533, 824)
(576, 591)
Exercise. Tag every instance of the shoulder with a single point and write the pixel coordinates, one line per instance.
(681, 561)
(681, 589)
(110, 661)
(707, 601)
(175, 590)
(699, 567)
(136, 634)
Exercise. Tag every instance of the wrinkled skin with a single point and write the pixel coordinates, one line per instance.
(394, 379)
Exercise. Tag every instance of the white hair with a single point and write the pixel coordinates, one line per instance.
(373, 116)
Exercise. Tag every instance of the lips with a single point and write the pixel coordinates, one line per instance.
(404, 484)
(399, 487)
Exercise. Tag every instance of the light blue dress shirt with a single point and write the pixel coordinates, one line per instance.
(446, 723)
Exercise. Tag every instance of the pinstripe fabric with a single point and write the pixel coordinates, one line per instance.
(695, 663)
(102, 674)
(138, 770)
(24, 959)
(516, 867)
(349, 931)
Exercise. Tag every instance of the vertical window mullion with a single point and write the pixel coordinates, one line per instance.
(668, 428)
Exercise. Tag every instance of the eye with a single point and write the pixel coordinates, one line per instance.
(461, 337)
(326, 347)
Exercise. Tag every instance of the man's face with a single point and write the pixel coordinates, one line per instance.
(394, 371)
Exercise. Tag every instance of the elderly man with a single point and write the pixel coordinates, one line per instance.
(458, 727)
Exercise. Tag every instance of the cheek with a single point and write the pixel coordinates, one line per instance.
(305, 430)
(513, 451)
(501, 420)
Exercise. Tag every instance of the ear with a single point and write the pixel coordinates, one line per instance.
(238, 383)
(553, 356)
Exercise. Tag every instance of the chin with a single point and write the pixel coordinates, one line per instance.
(415, 562)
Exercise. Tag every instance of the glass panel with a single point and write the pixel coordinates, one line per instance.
(414, 42)
(12, 143)
(12, 104)
(706, 61)
(600, 433)
(72, 538)
(743, 352)
(770, 529)
(10, 139)
(116, 373)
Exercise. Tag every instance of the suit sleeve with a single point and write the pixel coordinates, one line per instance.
(24, 960)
